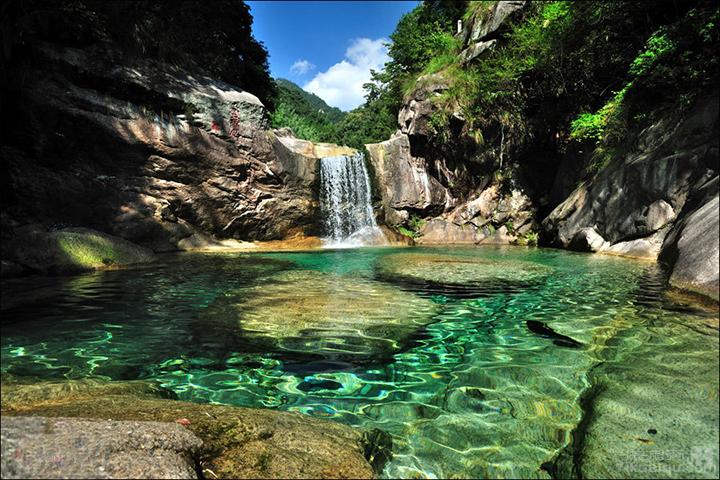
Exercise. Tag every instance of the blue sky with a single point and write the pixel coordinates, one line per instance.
(327, 47)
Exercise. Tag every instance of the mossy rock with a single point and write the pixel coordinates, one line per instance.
(237, 442)
(18, 392)
(72, 250)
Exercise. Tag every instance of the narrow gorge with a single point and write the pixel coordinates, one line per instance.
(503, 264)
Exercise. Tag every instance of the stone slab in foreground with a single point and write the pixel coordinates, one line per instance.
(39, 447)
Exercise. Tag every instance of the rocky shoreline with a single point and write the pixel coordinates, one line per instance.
(100, 429)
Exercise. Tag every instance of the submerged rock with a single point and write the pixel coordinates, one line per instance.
(321, 313)
(38, 447)
(558, 339)
(462, 272)
(663, 380)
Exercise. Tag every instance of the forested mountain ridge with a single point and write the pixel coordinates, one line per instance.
(305, 113)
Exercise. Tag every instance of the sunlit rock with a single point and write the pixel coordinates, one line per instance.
(40, 447)
(237, 442)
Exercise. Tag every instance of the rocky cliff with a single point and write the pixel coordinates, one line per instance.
(453, 192)
(656, 199)
(149, 153)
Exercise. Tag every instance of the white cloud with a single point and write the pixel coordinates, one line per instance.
(301, 67)
(341, 85)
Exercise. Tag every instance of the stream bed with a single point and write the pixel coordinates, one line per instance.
(479, 361)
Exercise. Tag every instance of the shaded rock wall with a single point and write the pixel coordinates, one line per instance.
(660, 197)
(146, 152)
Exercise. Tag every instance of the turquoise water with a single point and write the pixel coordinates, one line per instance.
(474, 359)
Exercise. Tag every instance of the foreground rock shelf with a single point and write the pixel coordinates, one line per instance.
(144, 436)
(38, 447)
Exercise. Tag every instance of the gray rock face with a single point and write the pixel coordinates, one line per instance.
(484, 23)
(640, 195)
(692, 249)
(487, 20)
(475, 50)
(38, 447)
(490, 217)
(440, 231)
(407, 188)
(404, 184)
(587, 240)
(647, 248)
(414, 116)
(151, 154)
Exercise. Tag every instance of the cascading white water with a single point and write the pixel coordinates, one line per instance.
(345, 202)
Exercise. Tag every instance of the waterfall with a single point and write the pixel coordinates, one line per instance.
(345, 202)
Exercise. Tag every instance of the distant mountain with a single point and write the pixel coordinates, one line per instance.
(305, 103)
(305, 113)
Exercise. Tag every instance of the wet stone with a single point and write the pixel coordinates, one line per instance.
(460, 276)
(336, 316)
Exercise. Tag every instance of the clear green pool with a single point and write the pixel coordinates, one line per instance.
(474, 359)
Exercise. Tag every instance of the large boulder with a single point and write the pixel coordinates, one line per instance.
(71, 250)
(403, 182)
(692, 250)
(486, 19)
(641, 195)
(414, 116)
(481, 30)
(438, 231)
(38, 447)
(236, 442)
(489, 216)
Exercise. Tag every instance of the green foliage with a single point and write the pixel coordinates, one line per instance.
(658, 45)
(420, 35)
(586, 71)
(423, 38)
(593, 126)
(370, 123)
(529, 239)
(676, 63)
(407, 232)
(416, 223)
(412, 227)
(306, 114)
(286, 116)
